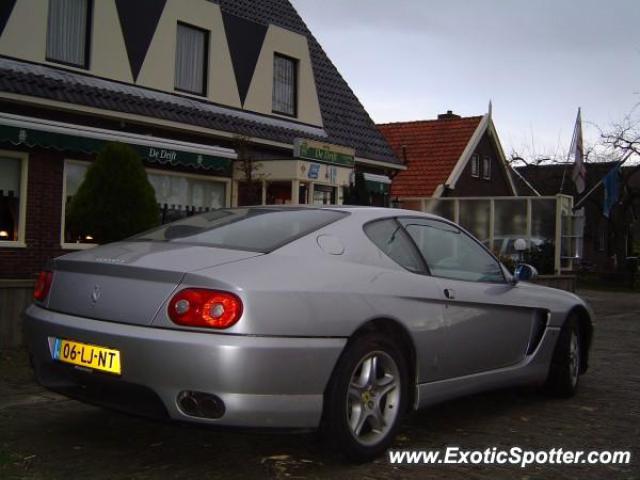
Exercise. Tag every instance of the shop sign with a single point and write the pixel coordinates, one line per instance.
(314, 171)
(323, 152)
(65, 142)
(162, 154)
(332, 173)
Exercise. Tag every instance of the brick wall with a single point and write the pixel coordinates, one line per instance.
(44, 210)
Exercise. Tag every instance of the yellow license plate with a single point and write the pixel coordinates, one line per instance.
(89, 356)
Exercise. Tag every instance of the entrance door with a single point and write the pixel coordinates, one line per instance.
(324, 195)
(278, 193)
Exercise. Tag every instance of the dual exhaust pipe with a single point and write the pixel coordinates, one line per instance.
(200, 404)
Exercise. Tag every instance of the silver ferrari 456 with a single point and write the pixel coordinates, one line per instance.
(337, 318)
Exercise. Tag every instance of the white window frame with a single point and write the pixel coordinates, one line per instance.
(206, 61)
(475, 165)
(486, 167)
(63, 244)
(295, 86)
(225, 180)
(154, 171)
(22, 217)
(85, 64)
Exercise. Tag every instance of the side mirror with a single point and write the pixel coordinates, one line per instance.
(524, 273)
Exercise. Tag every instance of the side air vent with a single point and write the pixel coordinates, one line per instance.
(539, 325)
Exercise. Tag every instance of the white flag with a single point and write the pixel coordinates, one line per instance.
(579, 174)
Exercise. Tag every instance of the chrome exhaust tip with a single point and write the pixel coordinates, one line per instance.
(200, 404)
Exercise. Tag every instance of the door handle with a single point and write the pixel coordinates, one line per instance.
(450, 293)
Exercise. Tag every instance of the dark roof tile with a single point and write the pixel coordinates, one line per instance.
(345, 121)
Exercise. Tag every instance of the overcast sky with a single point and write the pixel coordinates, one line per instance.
(537, 60)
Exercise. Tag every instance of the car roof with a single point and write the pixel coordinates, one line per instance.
(357, 210)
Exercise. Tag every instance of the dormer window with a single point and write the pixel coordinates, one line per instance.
(475, 165)
(191, 59)
(486, 168)
(68, 32)
(285, 85)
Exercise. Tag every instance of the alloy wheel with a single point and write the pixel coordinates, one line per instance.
(373, 397)
(574, 358)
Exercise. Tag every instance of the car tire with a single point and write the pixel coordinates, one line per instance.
(366, 398)
(564, 372)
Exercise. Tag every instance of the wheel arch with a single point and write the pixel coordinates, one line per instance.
(391, 328)
(586, 333)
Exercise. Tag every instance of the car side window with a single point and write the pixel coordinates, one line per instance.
(451, 253)
(389, 236)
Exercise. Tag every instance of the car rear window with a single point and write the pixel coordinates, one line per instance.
(251, 229)
(390, 237)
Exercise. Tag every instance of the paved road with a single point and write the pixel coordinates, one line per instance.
(45, 436)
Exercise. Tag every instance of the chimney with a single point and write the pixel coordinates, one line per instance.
(447, 116)
(404, 153)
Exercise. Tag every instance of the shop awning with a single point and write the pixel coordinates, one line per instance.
(34, 132)
(377, 183)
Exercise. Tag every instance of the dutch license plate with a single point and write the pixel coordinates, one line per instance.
(89, 356)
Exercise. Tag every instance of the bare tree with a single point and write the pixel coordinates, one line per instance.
(251, 183)
(623, 137)
(616, 142)
(622, 142)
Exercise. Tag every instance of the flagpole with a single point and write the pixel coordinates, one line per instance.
(594, 188)
(573, 140)
(514, 170)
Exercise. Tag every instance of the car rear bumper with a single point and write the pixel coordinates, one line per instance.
(275, 382)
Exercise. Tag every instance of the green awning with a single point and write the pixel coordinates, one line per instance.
(164, 152)
(377, 183)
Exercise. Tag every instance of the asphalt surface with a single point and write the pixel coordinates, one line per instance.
(45, 436)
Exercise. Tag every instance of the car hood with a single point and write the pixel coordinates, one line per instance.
(554, 299)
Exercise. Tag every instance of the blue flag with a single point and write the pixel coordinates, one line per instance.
(611, 190)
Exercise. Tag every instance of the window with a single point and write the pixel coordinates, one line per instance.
(486, 168)
(390, 237)
(13, 183)
(178, 196)
(191, 59)
(74, 173)
(278, 193)
(450, 253)
(602, 239)
(324, 195)
(68, 32)
(475, 165)
(284, 85)
(248, 229)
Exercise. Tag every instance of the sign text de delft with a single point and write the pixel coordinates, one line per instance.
(316, 151)
(162, 154)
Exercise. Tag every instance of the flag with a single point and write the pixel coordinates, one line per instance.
(611, 184)
(579, 174)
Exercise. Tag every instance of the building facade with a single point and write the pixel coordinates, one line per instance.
(227, 102)
(451, 156)
(606, 242)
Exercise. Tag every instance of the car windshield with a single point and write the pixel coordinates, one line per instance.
(251, 229)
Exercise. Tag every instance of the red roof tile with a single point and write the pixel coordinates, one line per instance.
(433, 147)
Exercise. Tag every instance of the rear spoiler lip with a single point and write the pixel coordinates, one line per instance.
(118, 270)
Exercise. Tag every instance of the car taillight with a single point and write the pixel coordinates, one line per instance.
(199, 307)
(43, 284)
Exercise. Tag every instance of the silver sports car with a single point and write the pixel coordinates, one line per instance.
(338, 318)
